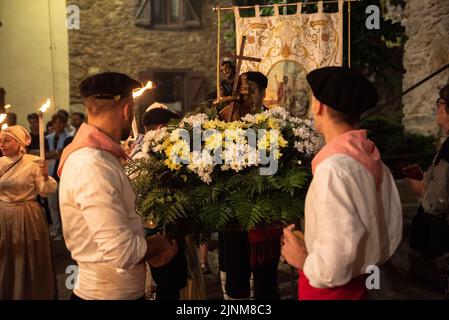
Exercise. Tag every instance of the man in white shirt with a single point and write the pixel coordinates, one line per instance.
(101, 227)
(353, 215)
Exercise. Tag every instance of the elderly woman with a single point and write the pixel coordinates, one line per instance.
(26, 263)
(430, 228)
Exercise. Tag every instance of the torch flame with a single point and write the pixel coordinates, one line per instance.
(7, 106)
(4, 126)
(2, 117)
(45, 106)
(140, 91)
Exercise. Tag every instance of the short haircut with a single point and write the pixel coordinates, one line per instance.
(96, 107)
(337, 116)
(64, 113)
(79, 114)
(229, 63)
(32, 116)
(444, 94)
(11, 118)
(257, 77)
(58, 116)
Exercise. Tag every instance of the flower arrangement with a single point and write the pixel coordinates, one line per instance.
(209, 174)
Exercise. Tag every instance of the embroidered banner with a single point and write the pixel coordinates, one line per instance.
(290, 46)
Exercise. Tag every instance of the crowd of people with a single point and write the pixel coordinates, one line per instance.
(353, 214)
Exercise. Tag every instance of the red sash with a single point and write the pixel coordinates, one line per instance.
(353, 290)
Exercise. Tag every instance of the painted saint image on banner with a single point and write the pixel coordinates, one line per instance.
(288, 88)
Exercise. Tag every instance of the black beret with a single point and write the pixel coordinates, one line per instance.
(158, 116)
(108, 85)
(258, 78)
(343, 89)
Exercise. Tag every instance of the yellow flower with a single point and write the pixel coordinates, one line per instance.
(261, 118)
(230, 134)
(263, 143)
(282, 142)
(277, 154)
(273, 124)
(171, 165)
(211, 124)
(214, 141)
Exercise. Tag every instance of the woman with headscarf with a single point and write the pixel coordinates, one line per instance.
(26, 264)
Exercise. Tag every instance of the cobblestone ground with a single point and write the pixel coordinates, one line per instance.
(393, 285)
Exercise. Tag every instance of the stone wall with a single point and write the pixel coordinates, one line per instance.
(426, 50)
(108, 39)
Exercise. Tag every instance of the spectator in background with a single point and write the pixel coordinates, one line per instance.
(77, 120)
(49, 128)
(26, 263)
(33, 121)
(57, 141)
(11, 119)
(66, 116)
(430, 228)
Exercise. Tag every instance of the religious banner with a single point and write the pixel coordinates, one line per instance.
(290, 46)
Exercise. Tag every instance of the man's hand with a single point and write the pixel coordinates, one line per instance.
(160, 250)
(294, 248)
(417, 187)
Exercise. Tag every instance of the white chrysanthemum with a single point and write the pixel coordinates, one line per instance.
(249, 118)
(202, 165)
(155, 136)
(197, 119)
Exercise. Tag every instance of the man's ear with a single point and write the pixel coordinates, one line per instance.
(128, 110)
(317, 106)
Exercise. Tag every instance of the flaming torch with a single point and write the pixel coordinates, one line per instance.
(42, 109)
(137, 93)
(3, 115)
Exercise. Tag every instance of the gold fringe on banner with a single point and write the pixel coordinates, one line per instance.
(279, 4)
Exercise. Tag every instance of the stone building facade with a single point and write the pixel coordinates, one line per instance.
(426, 50)
(172, 43)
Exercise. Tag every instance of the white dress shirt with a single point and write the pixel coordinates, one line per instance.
(349, 224)
(101, 227)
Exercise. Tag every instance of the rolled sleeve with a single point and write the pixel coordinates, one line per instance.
(107, 218)
(45, 187)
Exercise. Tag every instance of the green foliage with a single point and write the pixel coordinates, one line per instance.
(393, 141)
(242, 200)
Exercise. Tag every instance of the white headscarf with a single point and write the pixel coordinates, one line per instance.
(20, 134)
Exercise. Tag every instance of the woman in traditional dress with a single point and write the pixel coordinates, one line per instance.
(26, 263)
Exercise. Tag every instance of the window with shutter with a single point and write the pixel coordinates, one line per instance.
(193, 13)
(196, 88)
(168, 14)
(143, 13)
(179, 89)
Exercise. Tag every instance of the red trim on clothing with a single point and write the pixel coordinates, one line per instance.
(353, 290)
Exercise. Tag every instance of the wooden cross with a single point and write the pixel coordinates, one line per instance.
(239, 58)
